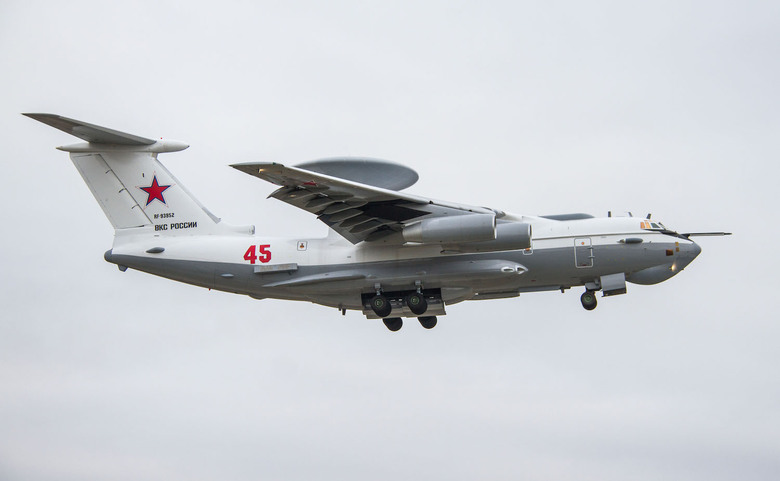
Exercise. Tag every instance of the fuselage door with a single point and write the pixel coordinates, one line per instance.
(583, 252)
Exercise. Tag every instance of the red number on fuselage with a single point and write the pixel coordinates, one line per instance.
(250, 255)
(264, 256)
(265, 253)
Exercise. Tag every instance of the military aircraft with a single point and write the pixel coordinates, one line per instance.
(388, 254)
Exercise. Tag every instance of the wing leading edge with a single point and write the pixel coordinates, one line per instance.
(356, 211)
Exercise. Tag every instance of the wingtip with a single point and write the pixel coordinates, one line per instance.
(253, 168)
(38, 115)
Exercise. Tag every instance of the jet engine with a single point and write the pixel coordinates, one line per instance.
(470, 233)
(454, 229)
(510, 236)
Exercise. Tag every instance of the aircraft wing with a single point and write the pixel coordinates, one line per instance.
(357, 211)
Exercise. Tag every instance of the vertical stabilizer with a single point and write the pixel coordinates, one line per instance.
(134, 189)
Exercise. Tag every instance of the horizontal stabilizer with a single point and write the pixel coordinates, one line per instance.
(91, 133)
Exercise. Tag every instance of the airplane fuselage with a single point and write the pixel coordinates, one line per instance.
(333, 272)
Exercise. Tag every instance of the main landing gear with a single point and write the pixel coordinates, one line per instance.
(414, 302)
(396, 323)
(382, 308)
(428, 322)
(393, 323)
(588, 300)
(417, 303)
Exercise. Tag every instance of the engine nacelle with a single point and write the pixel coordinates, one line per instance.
(510, 236)
(456, 229)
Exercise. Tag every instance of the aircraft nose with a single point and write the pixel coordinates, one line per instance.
(689, 253)
(695, 250)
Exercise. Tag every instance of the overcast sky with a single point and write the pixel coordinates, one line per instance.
(669, 107)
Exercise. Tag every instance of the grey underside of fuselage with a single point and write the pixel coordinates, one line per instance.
(460, 276)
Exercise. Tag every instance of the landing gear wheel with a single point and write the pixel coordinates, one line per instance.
(428, 322)
(381, 306)
(417, 303)
(588, 300)
(393, 323)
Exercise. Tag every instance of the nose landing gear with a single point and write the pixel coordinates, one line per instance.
(588, 300)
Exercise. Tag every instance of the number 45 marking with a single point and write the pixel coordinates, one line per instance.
(263, 250)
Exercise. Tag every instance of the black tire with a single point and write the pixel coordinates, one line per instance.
(381, 306)
(417, 303)
(588, 300)
(428, 322)
(393, 323)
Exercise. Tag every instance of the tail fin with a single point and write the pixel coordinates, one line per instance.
(134, 189)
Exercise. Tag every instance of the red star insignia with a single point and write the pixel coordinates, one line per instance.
(155, 191)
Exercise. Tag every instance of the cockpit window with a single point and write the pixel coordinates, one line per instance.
(647, 225)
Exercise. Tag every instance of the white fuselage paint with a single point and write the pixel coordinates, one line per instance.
(549, 264)
(547, 234)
